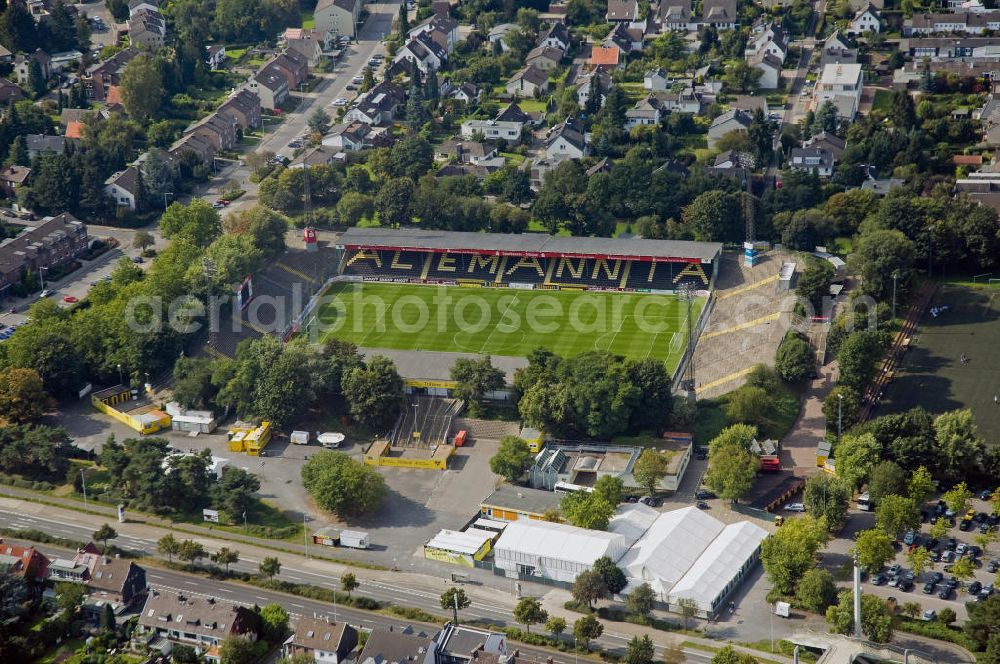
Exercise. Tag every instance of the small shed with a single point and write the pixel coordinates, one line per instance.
(460, 548)
(786, 277)
(327, 536)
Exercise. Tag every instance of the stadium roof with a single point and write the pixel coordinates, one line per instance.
(535, 244)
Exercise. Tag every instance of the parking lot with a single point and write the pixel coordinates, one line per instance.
(929, 597)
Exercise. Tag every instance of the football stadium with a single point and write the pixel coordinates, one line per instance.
(456, 292)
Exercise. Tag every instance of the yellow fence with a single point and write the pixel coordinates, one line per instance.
(151, 420)
(381, 454)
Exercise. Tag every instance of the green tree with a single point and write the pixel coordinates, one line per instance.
(142, 240)
(983, 624)
(168, 546)
(529, 612)
(857, 357)
(715, 216)
(855, 458)
(639, 650)
(640, 600)
(795, 359)
(349, 583)
(896, 514)
(403, 21)
(963, 569)
(270, 567)
(513, 458)
(886, 479)
(688, 608)
(234, 492)
(226, 556)
(735, 435)
(103, 534)
(69, 597)
(919, 560)
(142, 88)
(586, 629)
(238, 650)
(827, 497)
(729, 655)
(374, 393)
(353, 207)
(873, 549)
(791, 551)
(274, 623)
(650, 468)
(959, 443)
(957, 498)
(476, 377)
(392, 202)
(22, 396)
(589, 587)
(921, 486)
(902, 112)
(587, 510)
(555, 626)
(191, 551)
(609, 488)
(841, 408)
(319, 121)
(196, 222)
(36, 78)
(816, 590)
(947, 616)
(612, 575)
(456, 600)
(342, 485)
(741, 78)
(107, 620)
(118, 9)
(814, 284)
(750, 404)
(876, 621)
(731, 472)
(193, 386)
(880, 254)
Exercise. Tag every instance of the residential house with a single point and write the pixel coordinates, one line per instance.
(219, 130)
(467, 93)
(769, 66)
(720, 14)
(202, 622)
(321, 155)
(466, 152)
(738, 174)
(397, 647)
(136, 5)
(768, 38)
(585, 85)
(38, 144)
(545, 58)
(645, 112)
(443, 30)
(506, 126)
(243, 107)
(827, 141)
(462, 170)
(123, 187)
(202, 149)
(622, 11)
(557, 36)
(116, 580)
(270, 86)
(566, 140)
(52, 243)
(377, 106)
(838, 48)
(749, 103)
(842, 85)
(13, 178)
(424, 51)
(348, 137)
(734, 159)
(326, 642)
(608, 57)
(215, 56)
(528, 82)
(293, 66)
(22, 65)
(674, 15)
(970, 23)
(813, 160)
(944, 48)
(326, 40)
(147, 29)
(498, 34)
(23, 561)
(625, 39)
(685, 100)
(603, 166)
(732, 120)
(656, 80)
(100, 78)
(10, 92)
(5, 55)
(867, 19)
(306, 43)
(339, 17)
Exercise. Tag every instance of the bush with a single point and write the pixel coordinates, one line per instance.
(937, 630)
(578, 607)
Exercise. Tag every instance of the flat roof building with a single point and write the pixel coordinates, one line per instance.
(510, 503)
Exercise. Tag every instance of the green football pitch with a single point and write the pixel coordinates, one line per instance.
(506, 321)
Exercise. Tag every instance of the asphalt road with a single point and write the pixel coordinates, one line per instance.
(240, 593)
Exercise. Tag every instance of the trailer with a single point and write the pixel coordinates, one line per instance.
(299, 438)
(330, 440)
(354, 539)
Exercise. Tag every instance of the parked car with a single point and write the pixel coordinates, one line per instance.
(975, 587)
(993, 566)
(879, 580)
(945, 593)
(340, 101)
(910, 537)
(704, 494)
(45, 293)
(929, 614)
(929, 588)
(950, 543)
(906, 585)
(952, 583)
(351, 86)
(795, 507)
(961, 548)
(702, 505)
(138, 259)
(71, 299)
(894, 570)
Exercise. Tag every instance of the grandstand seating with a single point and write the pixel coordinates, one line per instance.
(493, 268)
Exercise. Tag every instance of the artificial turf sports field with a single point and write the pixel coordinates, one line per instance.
(507, 321)
(932, 374)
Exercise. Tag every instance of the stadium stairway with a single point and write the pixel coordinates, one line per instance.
(746, 325)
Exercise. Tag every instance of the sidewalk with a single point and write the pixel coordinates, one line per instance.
(554, 600)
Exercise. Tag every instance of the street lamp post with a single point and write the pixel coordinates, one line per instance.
(121, 376)
(895, 275)
(165, 194)
(83, 481)
(840, 415)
